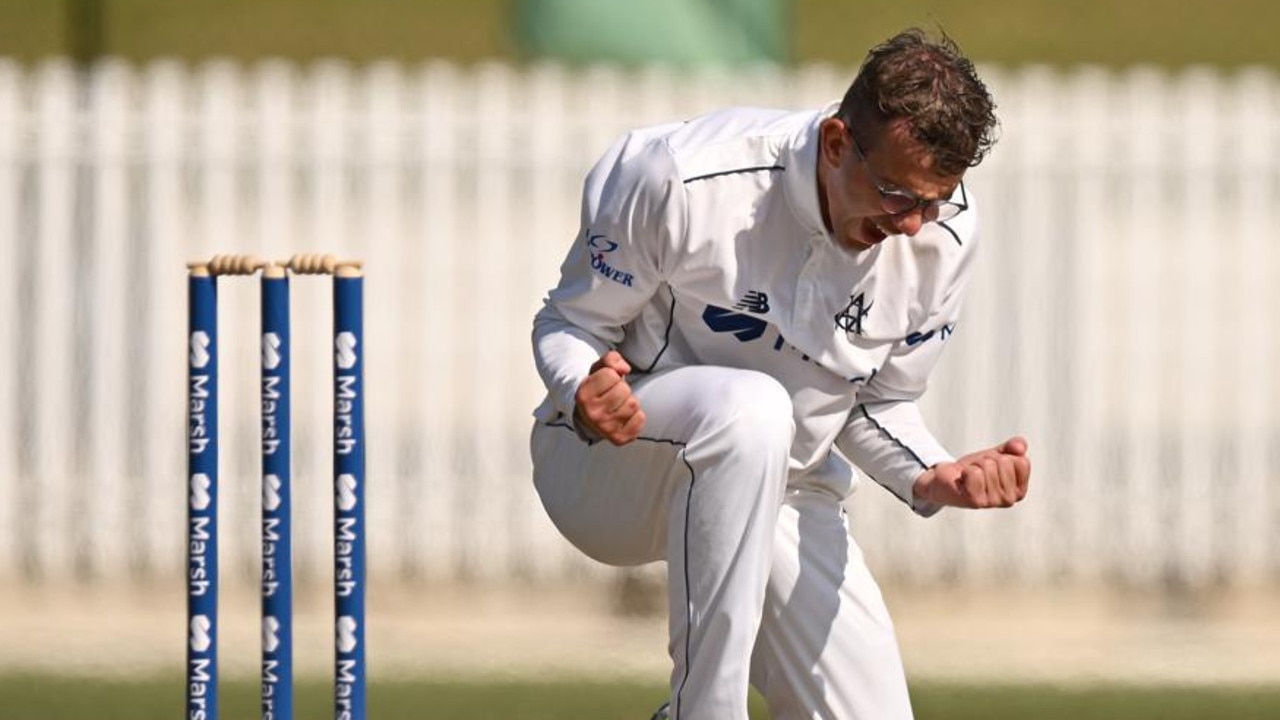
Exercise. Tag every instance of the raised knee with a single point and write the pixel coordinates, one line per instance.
(754, 409)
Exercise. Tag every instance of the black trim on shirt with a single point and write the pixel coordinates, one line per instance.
(899, 443)
(892, 494)
(757, 168)
(666, 337)
(954, 234)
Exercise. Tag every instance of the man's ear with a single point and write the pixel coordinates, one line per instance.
(832, 140)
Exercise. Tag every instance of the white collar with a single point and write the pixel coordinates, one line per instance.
(801, 177)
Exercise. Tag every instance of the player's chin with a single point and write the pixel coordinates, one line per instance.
(861, 235)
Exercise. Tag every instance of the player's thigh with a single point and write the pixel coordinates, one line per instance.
(683, 405)
(609, 501)
(826, 646)
(613, 501)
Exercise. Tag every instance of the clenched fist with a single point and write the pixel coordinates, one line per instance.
(605, 405)
(995, 477)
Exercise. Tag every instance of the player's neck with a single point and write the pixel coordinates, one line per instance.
(820, 184)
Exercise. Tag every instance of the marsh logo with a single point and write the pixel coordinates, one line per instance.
(270, 633)
(346, 634)
(344, 346)
(271, 492)
(271, 351)
(346, 488)
(200, 491)
(201, 635)
(199, 349)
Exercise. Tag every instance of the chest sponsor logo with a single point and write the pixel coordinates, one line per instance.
(850, 319)
(599, 247)
(916, 338)
(744, 327)
(747, 328)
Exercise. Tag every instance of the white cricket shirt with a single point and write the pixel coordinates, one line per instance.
(702, 243)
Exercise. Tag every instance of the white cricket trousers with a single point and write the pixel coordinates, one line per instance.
(765, 585)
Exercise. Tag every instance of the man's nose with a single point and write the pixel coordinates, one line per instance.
(909, 222)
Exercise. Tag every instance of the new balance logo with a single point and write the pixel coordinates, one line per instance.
(754, 301)
(744, 327)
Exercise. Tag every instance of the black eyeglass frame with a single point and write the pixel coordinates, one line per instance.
(900, 202)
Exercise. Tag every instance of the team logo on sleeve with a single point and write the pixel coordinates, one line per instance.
(850, 319)
(598, 247)
(600, 244)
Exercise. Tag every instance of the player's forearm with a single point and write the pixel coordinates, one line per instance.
(563, 354)
(890, 442)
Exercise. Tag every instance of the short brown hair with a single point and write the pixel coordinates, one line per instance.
(935, 88)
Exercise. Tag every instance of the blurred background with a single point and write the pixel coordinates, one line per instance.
(1121, 320)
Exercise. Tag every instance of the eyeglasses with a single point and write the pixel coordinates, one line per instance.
(900, 202)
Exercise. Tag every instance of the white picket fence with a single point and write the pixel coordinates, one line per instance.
(1119, 319)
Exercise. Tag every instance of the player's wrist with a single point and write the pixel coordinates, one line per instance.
(586, 430)
(920, 487)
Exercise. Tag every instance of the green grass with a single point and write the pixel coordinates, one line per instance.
(1009, 32)
(248, 30)
(31, 697)
(1017, 32)
(956, 702)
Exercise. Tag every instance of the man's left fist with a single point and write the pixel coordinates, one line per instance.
(995, 477)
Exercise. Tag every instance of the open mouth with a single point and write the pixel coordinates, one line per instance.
(872, 232)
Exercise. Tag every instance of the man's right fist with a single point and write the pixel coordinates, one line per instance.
(604, 403)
